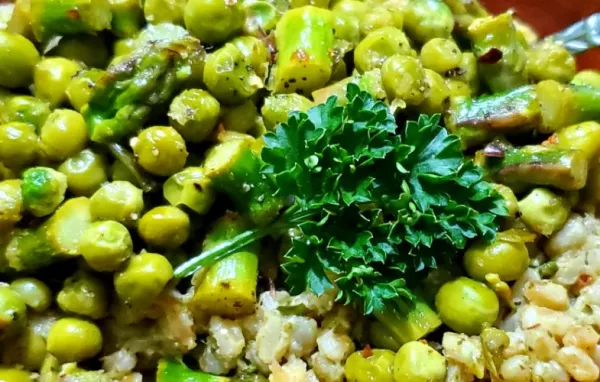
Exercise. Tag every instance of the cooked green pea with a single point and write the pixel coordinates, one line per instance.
(18, 144)
(127, 18)
(190, 188)
(85, 172)
(346, 18)
(18, 57)
(64, 134)
(124, 46)
(506, 256)
(160, 150)
(467, 71)
(106, 245)
(83, 294)
(28, 350)
(236, 71)
(165, 227)
(88, 49)
(43, 190)
(441, 55)
(13, 312)
(458, 88)
(14, 375)
(74, 340)
(164, 11)
(404, 79)
(214, 21)
(79, 90)
(543, 211)
(466, 305)
(143, 278)
(242, 118)
(25, 109)
(33, 292)
(419, 362)
(119, 201)
(387, 14)
(379, 366)
(380, 45)
(51, 77)
(194, 114)
(587, 77)
(437, 94)
(549, 60)
(278, 106)
(11, 204)
(427, 19)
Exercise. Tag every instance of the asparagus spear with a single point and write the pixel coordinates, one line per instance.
(304, 41)
(500, 52)
(127, 92)
(65, 17)
(175, 371)
(546, 107)
(229, 286)
(563, 168)
(234, 169)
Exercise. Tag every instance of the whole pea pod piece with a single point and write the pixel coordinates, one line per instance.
(304, 43)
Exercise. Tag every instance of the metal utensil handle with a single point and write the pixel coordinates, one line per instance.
(581, 36)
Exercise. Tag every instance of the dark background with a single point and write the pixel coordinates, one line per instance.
(549, 16)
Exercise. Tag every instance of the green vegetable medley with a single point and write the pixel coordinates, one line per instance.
(222, 190)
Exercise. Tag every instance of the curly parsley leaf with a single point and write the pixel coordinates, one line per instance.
(383, 202)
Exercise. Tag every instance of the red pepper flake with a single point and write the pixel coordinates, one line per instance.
(73, 14)
(552, 140)
(492, 56)
(367, 351)
(583, 280)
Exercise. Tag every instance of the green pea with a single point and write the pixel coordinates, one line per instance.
(549, 60)
(79, 90)
(43, 190)
(28, 350)
(587, 77)
(18, 144)
(85, 172)
(13, 312)
(194, 114)
(106, 245)
(124, 46)
(190, 188)
(74, 340)
(88, 49)
(380, 45)
(440, 55)
(143, 278)
(214, 21)
(36, 294)
(506, 256)
(466, 305)
(51, 77)
(11, 204)
(64, 134)
(30, 110)
(379, 366)
(404, 79)
(18, 57)
(418, 362)
(119, 201)
(165, 227)
(83, 294)
(428, 19)
(437, 94)
(164, 11)
(242, 118)
(160, 150)
(14, 375)
(387, 14)
(543, 211)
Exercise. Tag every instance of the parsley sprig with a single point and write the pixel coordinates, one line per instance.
(375, 204)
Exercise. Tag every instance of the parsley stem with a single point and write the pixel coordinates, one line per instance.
(292, 217)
